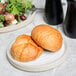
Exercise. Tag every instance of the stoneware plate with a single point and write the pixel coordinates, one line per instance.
(47, 60)
(17, 26)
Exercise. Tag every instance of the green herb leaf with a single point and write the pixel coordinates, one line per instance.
(27, 3)
(1, 25)
(18, 6)
(2, 18)
(19, 20)
(15, 11)
(9, 8)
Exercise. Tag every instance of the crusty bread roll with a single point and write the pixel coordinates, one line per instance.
(24, 49)
(47, 37)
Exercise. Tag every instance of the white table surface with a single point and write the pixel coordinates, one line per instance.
(68, 68)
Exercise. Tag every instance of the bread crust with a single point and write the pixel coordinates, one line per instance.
(24, 49)
(47, 37)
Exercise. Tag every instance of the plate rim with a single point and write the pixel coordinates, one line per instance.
(41, 68)
(18, 26)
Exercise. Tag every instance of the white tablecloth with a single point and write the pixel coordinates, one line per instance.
(68, 68)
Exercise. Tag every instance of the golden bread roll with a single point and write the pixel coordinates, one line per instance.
(47, 37)
(24, 49)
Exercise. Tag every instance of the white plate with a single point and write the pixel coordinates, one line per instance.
(17, 26)
(47, 60)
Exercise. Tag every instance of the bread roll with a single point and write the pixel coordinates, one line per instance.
(24, 49)
(47, 37)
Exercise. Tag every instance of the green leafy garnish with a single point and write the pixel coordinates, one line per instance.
(27, 4)
(15, 11)
(2, 18)
(18, 6)
(1, 25)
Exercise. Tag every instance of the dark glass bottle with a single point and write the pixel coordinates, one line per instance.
(53, 12)
(69, 25)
